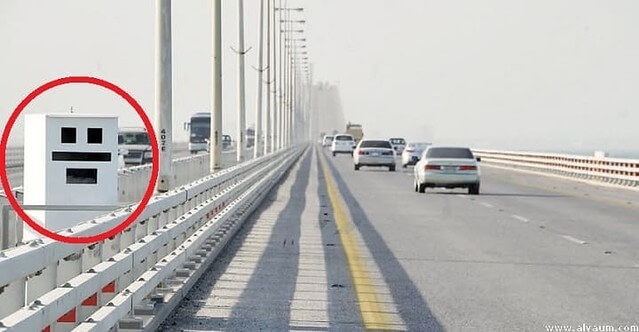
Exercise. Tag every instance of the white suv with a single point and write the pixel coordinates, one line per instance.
(343, 143)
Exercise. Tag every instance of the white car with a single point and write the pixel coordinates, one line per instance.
(412, 153)
(398, 144)
(327, 140)
(378, 153)
(447, 167)
(343, 143)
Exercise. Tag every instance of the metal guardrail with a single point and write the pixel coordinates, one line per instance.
(134, 279)
(132, 183)
(14, 157)
(614, 171)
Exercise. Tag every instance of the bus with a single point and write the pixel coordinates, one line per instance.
(200, 131)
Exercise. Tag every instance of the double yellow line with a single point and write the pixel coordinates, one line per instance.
(373, 313)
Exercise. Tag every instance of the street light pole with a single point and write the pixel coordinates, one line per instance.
(241, 106)
(267, 117)
(163, 92)
(260, 84)
(215, 140)
(281, 84)
(285, 80)
(275, 82)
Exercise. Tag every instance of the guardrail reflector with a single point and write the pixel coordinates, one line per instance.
(109, 288)
(91, 300)
(69, 317)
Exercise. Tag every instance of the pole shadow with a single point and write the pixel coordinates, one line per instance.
(411, 305)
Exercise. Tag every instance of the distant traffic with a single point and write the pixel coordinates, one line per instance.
(434, 166)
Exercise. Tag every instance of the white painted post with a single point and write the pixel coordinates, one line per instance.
(276, 80)
(281, 80)
(163, 92)
(267, 118)
(216, 86)
(241, 116)
(260, 84)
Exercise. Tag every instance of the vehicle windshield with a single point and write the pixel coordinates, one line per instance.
(376, 144)
(449, 153)
(226, 138)
(200, 127)
(344, 138)
(133, 138)
(397, 141)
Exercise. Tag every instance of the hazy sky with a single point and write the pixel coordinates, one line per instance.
(504, 74)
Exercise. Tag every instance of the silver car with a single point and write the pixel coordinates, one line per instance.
(135, 145)
(412, 153)
(447, 167)
(374, 153)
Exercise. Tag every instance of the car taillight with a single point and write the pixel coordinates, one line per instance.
(432, 167)
(362, 152)
(467, 168)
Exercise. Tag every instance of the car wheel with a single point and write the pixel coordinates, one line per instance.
(404, 165)
(391, 168)
(473, 189)
(333, 154)
(421, 188)
(356, 167)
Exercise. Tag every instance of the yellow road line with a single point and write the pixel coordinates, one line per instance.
(372, 310)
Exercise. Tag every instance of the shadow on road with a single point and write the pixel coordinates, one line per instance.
(411, 305)
(265, 301)
(276, 272)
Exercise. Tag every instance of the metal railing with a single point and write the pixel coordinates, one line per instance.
(614, 171)
(134, 279)
(132, 182)
(14, 157)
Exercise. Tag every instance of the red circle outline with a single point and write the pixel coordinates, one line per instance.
(154, 171)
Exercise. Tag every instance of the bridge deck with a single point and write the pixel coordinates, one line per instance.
(529, 252)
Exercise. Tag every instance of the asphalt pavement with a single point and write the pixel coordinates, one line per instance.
(336, 249)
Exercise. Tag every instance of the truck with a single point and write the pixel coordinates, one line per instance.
(355, 130)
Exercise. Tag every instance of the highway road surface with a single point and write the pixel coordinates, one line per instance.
(336, 249)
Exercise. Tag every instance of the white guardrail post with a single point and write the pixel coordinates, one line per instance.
(618, 172)
(134, 280)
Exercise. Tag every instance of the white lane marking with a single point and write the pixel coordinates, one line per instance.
(572, 239)
(486, 204)
(520, 218)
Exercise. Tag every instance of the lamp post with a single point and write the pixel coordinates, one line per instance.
(260, 84)
(241, 116)
(284, 88)
(216, 85)
(163, 92)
